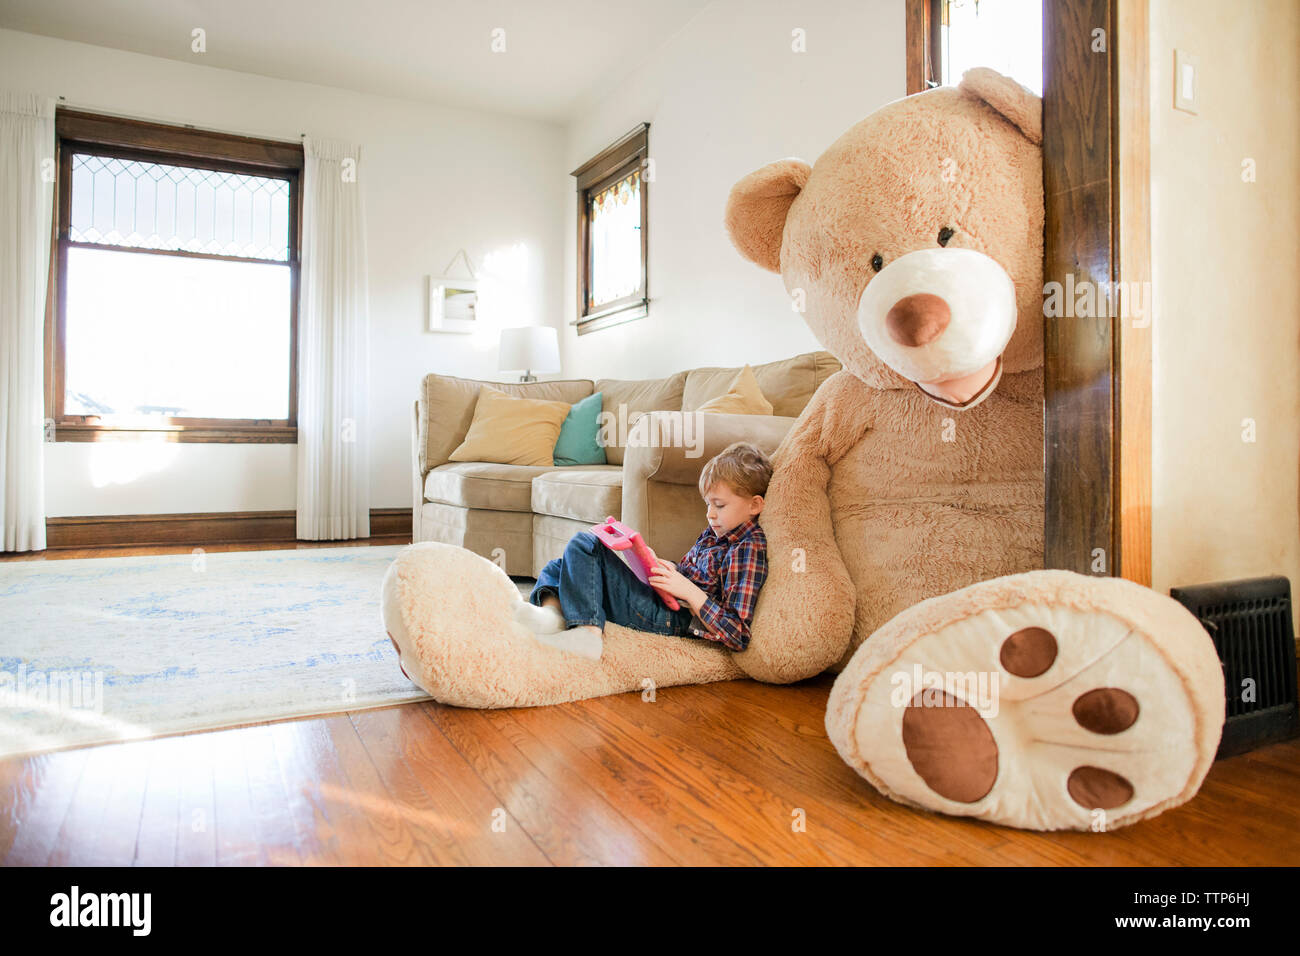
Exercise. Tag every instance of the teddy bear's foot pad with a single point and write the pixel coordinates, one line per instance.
(1045, 701)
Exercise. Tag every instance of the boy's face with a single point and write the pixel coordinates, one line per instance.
(726, 509)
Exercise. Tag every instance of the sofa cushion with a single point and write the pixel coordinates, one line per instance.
(511, 430)
(482, 484)
(503, 537)
(744, 397)
(577, 444)
(589, 493)
(634, 397)
(448, 408)
(788, 384)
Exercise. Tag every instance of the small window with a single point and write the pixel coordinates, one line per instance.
(175, 308)
(612, 204)
(948, 37)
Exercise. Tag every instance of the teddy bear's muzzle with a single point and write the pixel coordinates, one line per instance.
(940, 317)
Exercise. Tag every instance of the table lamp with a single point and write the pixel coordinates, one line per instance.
(533, 348)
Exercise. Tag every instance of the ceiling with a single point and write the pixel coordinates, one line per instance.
(435, 50)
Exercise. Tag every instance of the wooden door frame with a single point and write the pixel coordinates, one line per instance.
(1097, 230)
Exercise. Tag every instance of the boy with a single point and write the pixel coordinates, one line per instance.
(716, 583)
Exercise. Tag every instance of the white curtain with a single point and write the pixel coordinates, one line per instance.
(26, 205)
(334, 349)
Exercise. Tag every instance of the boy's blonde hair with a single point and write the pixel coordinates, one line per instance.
(741, 466)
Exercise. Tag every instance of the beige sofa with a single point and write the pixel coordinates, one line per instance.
(522, 516)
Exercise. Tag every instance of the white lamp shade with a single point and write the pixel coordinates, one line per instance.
(533, 348)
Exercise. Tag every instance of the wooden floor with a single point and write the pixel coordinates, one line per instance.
(716, 774)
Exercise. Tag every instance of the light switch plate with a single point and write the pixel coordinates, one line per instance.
(1187, 79)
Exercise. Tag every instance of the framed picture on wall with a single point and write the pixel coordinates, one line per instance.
(453, 305)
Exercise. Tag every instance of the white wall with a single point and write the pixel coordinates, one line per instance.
(1226, 305)
(435, 180)
(723, 97)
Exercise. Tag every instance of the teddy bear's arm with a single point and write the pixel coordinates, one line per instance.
(803, 620)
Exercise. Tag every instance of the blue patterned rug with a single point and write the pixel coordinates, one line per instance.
(106, 649)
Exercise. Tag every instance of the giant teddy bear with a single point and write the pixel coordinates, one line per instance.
(905, 516)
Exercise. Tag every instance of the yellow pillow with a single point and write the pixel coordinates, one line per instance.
(744, 397)
(512, 431)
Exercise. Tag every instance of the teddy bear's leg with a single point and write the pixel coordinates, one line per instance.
(1048, 700)
(451, 615)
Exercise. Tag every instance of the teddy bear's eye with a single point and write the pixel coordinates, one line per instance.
(877, 263)
(945, 234)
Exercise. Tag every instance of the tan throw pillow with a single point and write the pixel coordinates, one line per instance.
(512, 431)
(744, 397)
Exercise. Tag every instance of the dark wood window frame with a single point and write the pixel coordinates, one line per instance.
(1097, 198)
(924, 48)
(103, 135)
(610, 165)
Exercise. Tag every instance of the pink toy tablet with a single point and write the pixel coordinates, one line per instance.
(617, 536)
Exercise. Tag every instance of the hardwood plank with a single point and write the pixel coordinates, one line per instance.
(332, 827)
(435, 786)
(160, 813)
(236, 831)
(660, 798)
(38, 794)
(272, 820)
(119, 827)
(567, 820)
(16, 780)
(196, 822)
(396, 838)
(313, 837)
(75, 841)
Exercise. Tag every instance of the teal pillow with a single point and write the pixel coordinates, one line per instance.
(577, 443)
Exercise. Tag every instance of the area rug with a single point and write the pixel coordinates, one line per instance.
(107, 649)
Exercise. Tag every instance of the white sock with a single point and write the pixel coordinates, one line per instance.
(585, 641)
(539, 620)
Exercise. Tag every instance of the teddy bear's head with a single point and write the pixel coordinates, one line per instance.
(914, 245)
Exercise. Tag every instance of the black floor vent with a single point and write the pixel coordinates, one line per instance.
(1250, 622)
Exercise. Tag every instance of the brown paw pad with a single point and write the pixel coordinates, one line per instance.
(1106, 710)
(1029, 652)
(950, 746)
(1095, 788)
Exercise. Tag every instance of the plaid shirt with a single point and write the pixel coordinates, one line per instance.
(730, 569)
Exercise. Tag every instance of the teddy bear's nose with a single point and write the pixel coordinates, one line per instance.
(918, 319)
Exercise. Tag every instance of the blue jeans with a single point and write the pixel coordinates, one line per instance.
(595, 586)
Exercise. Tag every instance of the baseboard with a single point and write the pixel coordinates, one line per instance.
(229, 527)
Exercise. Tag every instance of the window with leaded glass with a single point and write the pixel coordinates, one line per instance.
(612, 245)
(177, 268)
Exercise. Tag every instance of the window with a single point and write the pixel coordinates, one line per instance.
(612, 204)
(177, 273)
(948, 37)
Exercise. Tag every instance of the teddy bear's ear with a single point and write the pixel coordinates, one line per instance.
(1020, 106)
(757, 207)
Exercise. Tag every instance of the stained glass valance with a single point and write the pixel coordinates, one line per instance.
(121, 202)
